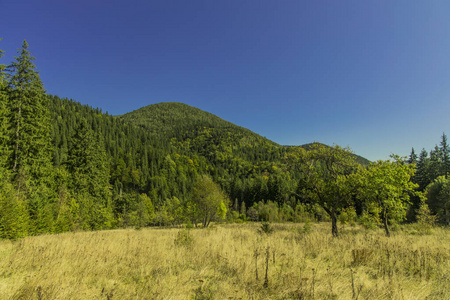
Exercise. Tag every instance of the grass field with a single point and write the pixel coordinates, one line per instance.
(228, 262)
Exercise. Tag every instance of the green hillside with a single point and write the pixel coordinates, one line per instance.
(173, 119)
(361, 160)
(169, 120)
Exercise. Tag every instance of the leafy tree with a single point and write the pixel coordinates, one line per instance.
(387, 184)
(438, 195)
(210, 200)
(144, 213)
(327, 178)
(425, 219)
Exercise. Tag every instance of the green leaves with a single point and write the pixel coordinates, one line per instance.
(388, 185)
(327, 177)
(211, 202)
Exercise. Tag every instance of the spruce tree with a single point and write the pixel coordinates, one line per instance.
(422, 174)
(4, 140)
(412, 157)
(445, 156)
(87, 162)
(29, 118)
(30, 142)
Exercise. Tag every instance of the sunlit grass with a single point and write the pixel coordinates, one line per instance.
(222, 263)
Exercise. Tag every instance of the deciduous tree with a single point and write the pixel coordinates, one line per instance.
(327, 178)
(387, 184)
(210, 200)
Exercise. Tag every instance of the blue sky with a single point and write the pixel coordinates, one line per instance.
(372, 75)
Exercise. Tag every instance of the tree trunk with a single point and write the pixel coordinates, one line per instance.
(334, 228)
(332, 214)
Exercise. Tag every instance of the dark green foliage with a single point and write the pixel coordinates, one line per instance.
(28, 134)
(87, 163)
(438, 195)
(432, 171)
(29, 117)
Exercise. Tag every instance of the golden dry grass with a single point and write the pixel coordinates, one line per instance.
(220, 263)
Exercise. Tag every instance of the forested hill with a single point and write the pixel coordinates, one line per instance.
(179, 120)
(159, 151)
(169, 120)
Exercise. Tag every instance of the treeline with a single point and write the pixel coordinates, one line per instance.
(432, 173)
(66, 166)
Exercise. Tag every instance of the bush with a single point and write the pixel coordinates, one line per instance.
(425, 220)
(348, 216)
(368, 221)
(184, 238)
(265, 228)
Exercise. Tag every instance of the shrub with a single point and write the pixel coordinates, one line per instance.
(184, 238)
(265, 228)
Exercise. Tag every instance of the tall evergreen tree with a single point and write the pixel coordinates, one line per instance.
(29, 118)
(87, 162)
(88, 166)
(3, 120)
(445, 156)
(30, 143)
(412, 157)
(422, 177)
(434, 168)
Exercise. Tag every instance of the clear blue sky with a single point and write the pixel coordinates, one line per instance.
(372, 75)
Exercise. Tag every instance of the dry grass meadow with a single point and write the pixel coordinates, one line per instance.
(228, 262)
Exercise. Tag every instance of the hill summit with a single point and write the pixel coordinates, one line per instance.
(175, 119)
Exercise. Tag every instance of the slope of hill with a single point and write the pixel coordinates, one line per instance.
(173, 119)
(183, 122)
(361, 160)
